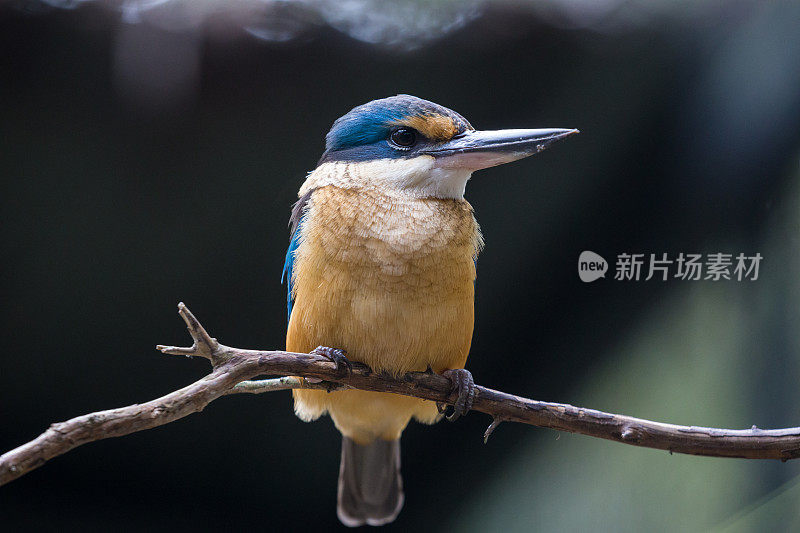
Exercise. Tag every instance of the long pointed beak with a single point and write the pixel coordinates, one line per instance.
(475, 150)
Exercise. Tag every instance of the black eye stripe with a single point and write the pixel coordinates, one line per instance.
(403, 137)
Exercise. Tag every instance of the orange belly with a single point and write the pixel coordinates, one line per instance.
(390, 281)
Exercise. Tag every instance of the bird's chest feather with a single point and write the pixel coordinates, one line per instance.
(381, 273)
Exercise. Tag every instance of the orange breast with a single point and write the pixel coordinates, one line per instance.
(388, 279)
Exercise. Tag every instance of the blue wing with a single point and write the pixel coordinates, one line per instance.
(288, 265)
(296, 224)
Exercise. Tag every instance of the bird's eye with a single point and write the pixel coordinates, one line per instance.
(404, 137)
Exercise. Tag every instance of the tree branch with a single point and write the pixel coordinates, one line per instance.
(233, 368)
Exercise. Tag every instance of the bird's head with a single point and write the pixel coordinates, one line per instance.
(407, 145)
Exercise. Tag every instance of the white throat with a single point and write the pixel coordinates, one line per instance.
(418, 177)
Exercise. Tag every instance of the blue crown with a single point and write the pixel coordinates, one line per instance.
(371, 123)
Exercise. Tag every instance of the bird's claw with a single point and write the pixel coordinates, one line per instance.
(339, 357)
(463, 383)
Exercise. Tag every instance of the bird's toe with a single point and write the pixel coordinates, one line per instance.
(464, 385)
(339, 357)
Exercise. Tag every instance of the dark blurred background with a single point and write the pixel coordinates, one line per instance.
(151, 151)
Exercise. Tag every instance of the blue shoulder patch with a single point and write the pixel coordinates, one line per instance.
(296, 225)
(288, 266)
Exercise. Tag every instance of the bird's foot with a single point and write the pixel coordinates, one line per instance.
(339, 357)
(463, 383)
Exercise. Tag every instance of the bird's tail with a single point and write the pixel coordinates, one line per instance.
(370, 485)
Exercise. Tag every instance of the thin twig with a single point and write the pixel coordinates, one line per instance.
(234, 367)
(261, 386)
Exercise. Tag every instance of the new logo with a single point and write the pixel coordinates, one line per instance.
(591, 266)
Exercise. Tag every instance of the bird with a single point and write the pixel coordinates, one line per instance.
(381, 270)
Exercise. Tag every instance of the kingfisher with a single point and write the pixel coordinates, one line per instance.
(381, 269)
